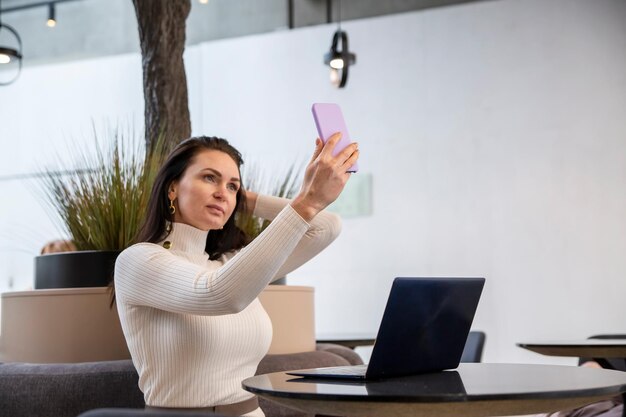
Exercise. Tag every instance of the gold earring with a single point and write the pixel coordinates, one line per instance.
(172, 208)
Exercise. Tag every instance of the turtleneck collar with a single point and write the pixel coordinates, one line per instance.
(185, 238)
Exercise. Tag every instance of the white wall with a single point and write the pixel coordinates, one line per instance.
(44, 115)
(494, 133)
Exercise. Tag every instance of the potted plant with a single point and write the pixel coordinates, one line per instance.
(100, 206)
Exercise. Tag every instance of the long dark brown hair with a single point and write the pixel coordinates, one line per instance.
(154, 227)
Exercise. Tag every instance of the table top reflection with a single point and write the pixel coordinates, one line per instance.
(470, 390)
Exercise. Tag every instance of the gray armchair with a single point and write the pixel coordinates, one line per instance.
(67, 390)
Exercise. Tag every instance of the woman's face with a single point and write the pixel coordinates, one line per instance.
(206, 194)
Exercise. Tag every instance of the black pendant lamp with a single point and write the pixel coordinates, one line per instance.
(10, 56)
(339, 58)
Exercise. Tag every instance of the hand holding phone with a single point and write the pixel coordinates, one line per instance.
(329, 120)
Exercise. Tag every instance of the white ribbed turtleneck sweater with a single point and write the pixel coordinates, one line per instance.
(194, 327)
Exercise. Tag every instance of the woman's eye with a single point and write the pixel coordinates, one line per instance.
(233, 187)
(210, 178)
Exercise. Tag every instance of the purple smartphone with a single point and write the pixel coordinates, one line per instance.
(329, 120)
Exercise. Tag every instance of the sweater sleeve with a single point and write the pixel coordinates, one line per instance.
(323, 230)
(149, 275)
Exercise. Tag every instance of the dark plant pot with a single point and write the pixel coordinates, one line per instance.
(92, 268)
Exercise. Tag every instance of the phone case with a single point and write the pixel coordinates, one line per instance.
(329, 120)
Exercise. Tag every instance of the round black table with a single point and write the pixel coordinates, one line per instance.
(351, 340)
(590, 348)
(471, 390)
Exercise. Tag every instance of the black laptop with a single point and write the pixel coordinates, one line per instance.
(424, 329)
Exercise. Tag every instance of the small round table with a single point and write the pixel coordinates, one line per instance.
(350, 340)
(471, 390)
(590, 348)
(609, 353)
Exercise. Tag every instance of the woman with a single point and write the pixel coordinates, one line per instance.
(187, 295)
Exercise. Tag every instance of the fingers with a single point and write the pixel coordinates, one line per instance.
(341, 157)
(351, 160)
(326, 175)
(344, 159)
(319, 145)
(330, 144)
(347, 152)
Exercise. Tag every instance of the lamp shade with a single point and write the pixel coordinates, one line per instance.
(10, 55)
(338, 59)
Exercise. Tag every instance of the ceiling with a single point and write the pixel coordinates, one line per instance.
(91, 28)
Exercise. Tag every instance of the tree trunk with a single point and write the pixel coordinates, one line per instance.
(162, 38)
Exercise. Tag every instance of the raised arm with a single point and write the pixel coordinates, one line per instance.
(149, 275)
(146, 274)
(323, 230)
(324, 179)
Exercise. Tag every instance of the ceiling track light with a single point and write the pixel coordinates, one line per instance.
(10, 56)
(339, 58)
(50, 4)
(52, 21)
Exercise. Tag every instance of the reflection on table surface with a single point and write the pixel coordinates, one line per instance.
(426, 385)
(469, 381)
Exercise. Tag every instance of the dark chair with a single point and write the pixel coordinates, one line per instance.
(613, 363)
(473, 351)
(66, 390)
(69, 389)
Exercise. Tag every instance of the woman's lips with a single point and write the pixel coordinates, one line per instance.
(216, 207)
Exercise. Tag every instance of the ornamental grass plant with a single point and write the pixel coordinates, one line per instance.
(101, 204)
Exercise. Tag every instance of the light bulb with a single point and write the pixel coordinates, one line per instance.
(203, 1)
(52, 21)
(4, 59)
(335, 80)
(336, 63)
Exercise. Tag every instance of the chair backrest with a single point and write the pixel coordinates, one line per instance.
(614, 363)
(474, 345)
(67, 389)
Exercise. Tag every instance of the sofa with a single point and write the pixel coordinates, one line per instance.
(67, 390)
